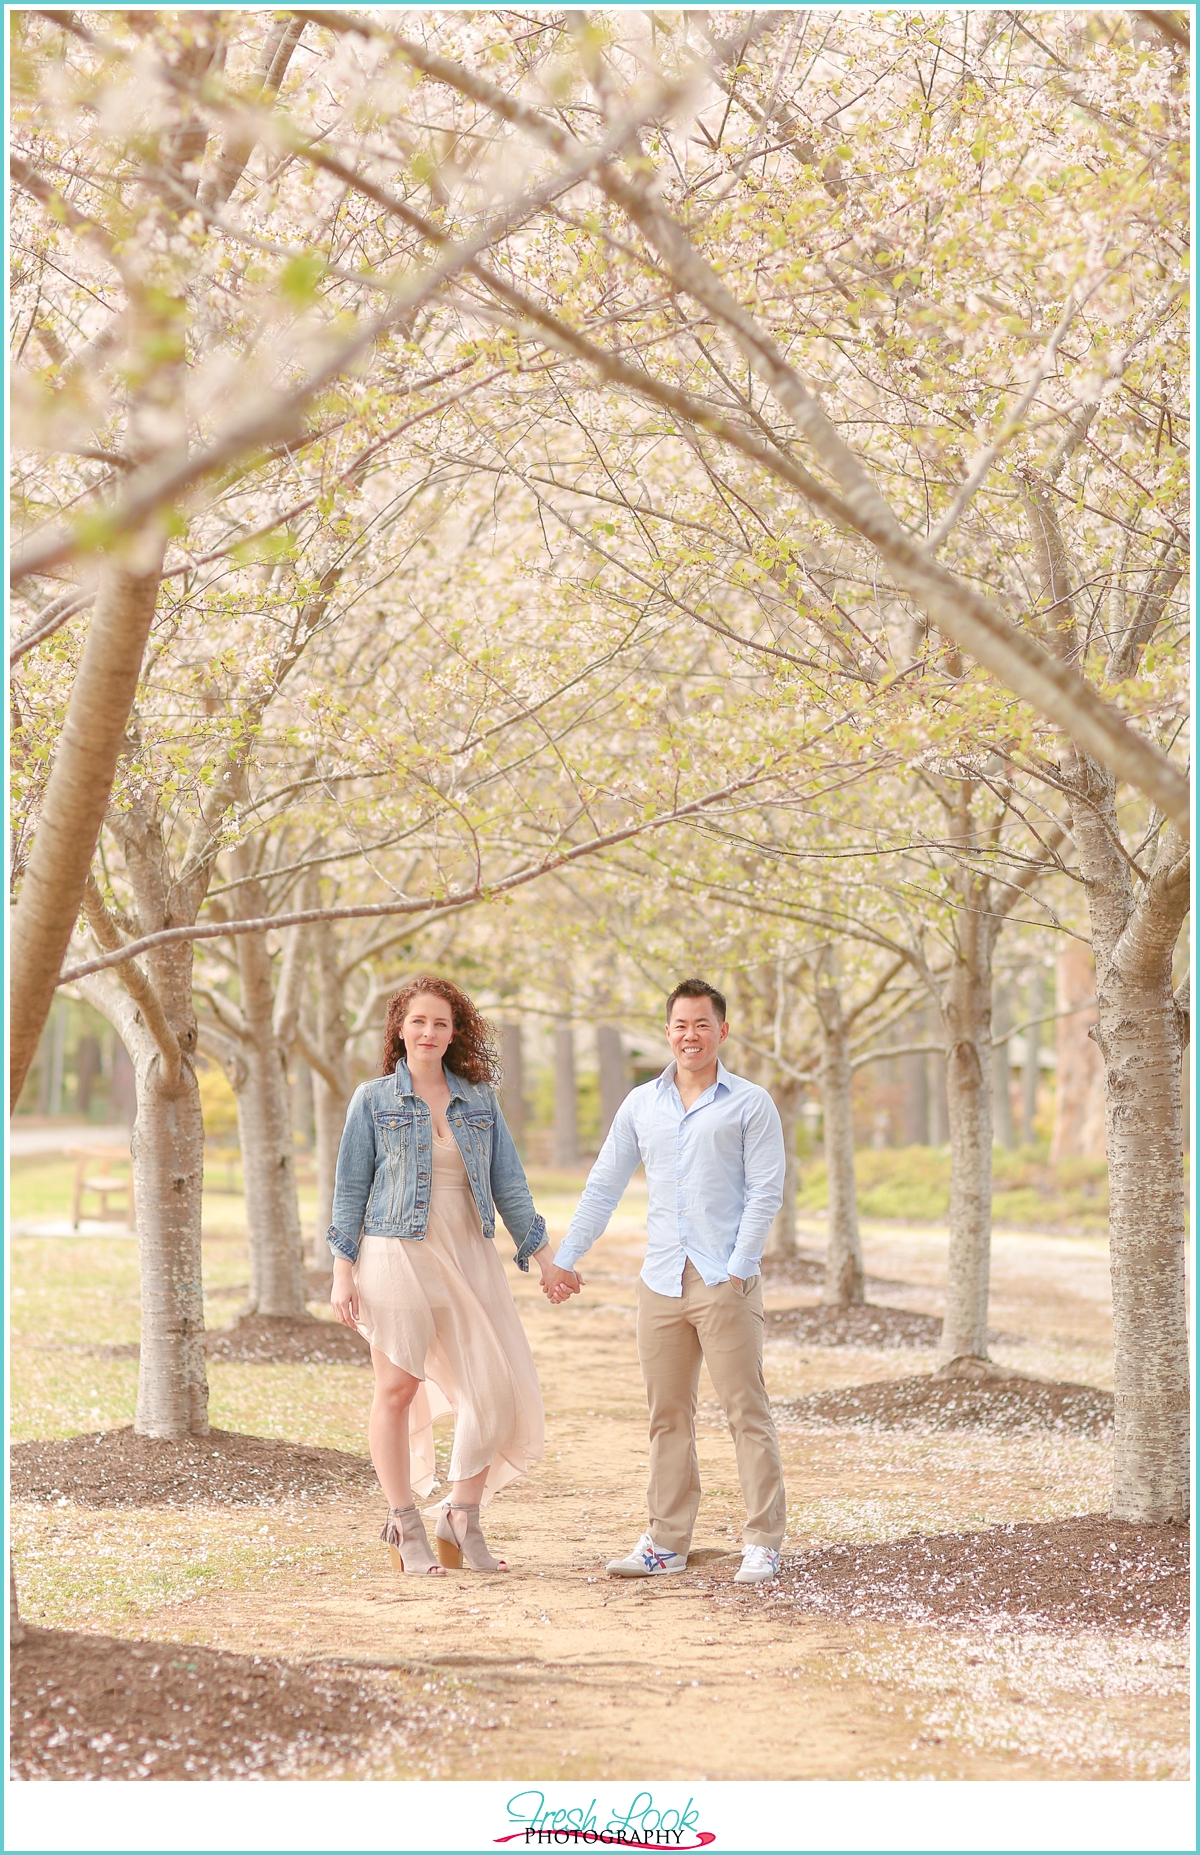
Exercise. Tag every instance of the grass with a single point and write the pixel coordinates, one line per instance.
(43, 1185)
(73, 1298)
(907, 1184)
(103, 1570)
(108, 1570)
(912, 1185)
(85, 1569)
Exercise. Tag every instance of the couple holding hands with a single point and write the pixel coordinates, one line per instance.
(426, 1163)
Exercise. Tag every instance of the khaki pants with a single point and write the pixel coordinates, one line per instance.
(724, 1326)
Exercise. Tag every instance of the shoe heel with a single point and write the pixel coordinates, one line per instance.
(397, 1561)
(449, 1554)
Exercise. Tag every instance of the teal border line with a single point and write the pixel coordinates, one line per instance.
(1190, 8)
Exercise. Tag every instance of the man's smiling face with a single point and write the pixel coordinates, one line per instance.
(695, 1033)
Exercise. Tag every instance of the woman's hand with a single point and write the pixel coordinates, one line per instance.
(343, 1296)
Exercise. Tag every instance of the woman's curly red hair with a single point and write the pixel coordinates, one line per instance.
(471, 1053)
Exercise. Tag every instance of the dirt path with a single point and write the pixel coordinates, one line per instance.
(557, 1671)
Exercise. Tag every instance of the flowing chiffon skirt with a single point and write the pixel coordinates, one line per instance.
(442, 1310)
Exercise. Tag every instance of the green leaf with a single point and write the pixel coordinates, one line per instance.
(299, 278)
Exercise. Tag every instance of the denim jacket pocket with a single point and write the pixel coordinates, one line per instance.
(393, 1123)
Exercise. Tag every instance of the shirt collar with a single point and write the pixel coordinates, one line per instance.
(668, 1075)
(404, 1086)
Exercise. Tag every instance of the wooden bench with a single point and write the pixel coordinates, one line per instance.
(104, 1185)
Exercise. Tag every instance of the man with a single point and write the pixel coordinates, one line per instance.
(712, 1145)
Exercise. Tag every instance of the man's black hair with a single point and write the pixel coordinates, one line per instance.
(697, 988)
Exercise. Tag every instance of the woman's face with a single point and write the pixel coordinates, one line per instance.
(428, 1027)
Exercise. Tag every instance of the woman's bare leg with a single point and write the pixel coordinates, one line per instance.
(468, 1493)
(387, 1431)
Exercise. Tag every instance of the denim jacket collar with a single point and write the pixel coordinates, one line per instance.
(404, 1085)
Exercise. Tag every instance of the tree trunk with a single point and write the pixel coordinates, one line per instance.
(1140, 1038)
(914, 1071)
(16, 1629)
(167, 1145)
(77, 794)
(939, 1112)
(1185, 1105)
(302, 1101)
(614, 1075)
(329, 1111)
(1079, 1069)
(168, 1178)
(1002, 1114)
(331, 1084)
(1031, 1068)
(967, 1018)
(781, 1238)
(57, 1066)
(566, 1113)
(512, 1088)
(265, 1130)
(843, 1267)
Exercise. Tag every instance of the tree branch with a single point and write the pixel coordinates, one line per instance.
(952, 605)
(134, 980)
(877, 991)
(431, 905)
(1171, 26)
(304, 1045)
(279, 421)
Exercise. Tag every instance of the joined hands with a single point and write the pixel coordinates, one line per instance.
(558, 1285)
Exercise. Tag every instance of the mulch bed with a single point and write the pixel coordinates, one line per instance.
(266, 1339)
(115, 1468)
(864, 1326)
(1084, 1573)
(1014, 1403)
(272, 1339)
(807, 1270)
(100, 1707)
(317, 1283)
(793, 1272)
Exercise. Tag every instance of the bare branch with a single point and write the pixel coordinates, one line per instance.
(1172, 26)
(431, 905)
(134, 980)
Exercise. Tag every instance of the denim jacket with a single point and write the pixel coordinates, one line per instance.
(385, 1165)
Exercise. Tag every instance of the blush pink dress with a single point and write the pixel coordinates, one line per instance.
(442, 1310)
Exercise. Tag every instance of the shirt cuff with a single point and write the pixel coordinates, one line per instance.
(745, 1267)
(340, 1245)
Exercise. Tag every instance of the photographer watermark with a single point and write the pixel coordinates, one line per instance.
(642, 1824)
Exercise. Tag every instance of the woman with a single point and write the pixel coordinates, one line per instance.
(425, 1163)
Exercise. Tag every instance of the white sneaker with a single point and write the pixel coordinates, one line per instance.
(648, 1561)
(759, 1565)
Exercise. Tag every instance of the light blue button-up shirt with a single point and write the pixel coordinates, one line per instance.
(715, 1178)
